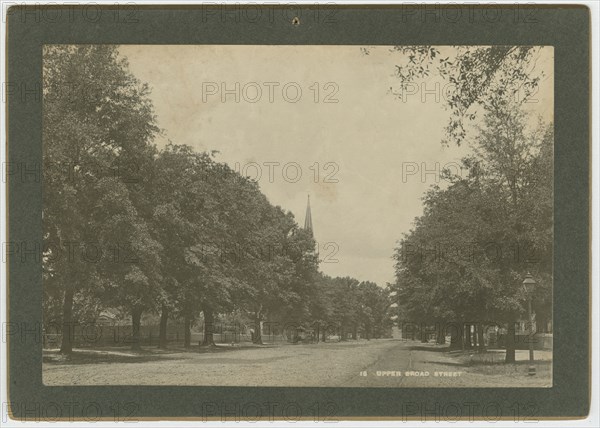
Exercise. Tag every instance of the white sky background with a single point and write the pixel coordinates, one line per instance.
(368, 133)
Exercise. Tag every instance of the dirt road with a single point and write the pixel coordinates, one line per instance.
(375, 363)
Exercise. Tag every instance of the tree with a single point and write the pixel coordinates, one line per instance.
(133, 268)
(177, 221)
(374, 305)
(346, 304)
(321, 305)
(97, 117)
(233, 204)
(466, 256)
(518, 166)
(276, 268)
(474, 76)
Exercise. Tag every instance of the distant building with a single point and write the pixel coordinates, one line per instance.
(107, 317)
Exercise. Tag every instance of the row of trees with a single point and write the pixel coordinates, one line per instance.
(464, 261)
(172, 231)
(353, 306)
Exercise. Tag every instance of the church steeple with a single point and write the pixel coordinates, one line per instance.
(308, 219)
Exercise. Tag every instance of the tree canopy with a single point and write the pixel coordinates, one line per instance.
(139, 229)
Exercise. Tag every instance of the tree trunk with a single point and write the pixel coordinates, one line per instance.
(162, 333)
(468, 337)
(136, 317)
(66, 346)
(413, 333)
(324, 335)
(423, 334)
(456, 337)
(187, 334)
(257, 338)
(342, 334)
(209, 320)
(480, 341)
(510, 343)
(441, 337)
(355, 333)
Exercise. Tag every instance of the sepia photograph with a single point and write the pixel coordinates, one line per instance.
(298, 215)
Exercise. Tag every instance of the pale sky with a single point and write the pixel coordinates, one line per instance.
(367, 136)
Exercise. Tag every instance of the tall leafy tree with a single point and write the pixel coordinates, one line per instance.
(374, 303)
(466, 256)
(179, 186)
(132, 266)
(97, 120)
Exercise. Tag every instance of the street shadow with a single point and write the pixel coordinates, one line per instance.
(430, 348)
(499, 362)
(117, 355)
(446, 363)
(100, 358)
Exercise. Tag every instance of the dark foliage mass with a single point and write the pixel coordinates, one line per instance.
(171, 232)
(465, 259)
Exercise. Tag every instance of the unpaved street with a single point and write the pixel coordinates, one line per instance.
(375, 363)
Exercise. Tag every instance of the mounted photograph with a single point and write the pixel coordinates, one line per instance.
(298, 215)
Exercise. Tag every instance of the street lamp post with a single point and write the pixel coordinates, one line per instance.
(528, 285)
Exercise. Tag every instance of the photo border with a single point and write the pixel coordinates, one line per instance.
(565, 27)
